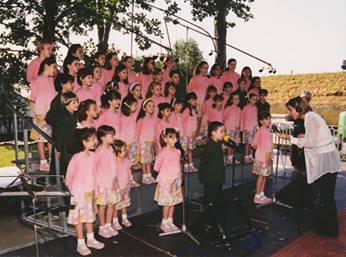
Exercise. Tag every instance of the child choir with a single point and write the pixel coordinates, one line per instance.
(108, 120)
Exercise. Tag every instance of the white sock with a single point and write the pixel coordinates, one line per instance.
(81, 241)
(102, 227)
(262, 194)
(43, 162)
(164, 221)
(115, 220)
(90, 236)
(230, 157)
(170, 220)
(258, 195)
(124, 216)
(49, 160)
(108, 225)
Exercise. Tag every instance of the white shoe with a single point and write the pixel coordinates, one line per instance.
(173, 227)
(83, 250)
(44, 167)
(113, 231)
(95, 244)
(126, 223)
(117, 226)
(105, 233)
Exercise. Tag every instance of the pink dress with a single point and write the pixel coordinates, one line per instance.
(263, 143)
(232, 122)
(144, 80)
(216, 82)
(225, 99)
(131, 76)
(124, 180)
(123, 89)
(249, 123)
(85, 94)
(157, 100)
(231, 76)
(42, 93)
(168, 190)
(32, 71)
(107, 75)
(139, 106)
(107, 117)
(199, 85)
(214, 115)
(165, 77)
(254, 91)
(190, 122)
(168, 99)
(86, 124)
(207, 105)
(97, 89)
(160, 126)
(128, 128)
(177, 123)
(145, 139)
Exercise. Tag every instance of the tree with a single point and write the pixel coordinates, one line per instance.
(189, 56)
(220, 9)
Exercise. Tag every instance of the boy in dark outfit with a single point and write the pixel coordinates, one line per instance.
(262, 105)
(212, 168)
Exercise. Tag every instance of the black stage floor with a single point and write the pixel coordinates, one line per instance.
(143, 240)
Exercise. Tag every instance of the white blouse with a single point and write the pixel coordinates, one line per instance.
(321, 155)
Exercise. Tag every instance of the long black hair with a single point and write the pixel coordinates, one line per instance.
(167, 86)
(77, 137)
(190, 96)
(116, 77)
(68, 61)
(109, 96)
(47, 61)
(83, 108)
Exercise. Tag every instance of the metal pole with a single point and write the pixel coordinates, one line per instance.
(133, 12)
(15, 126)
(26, 151)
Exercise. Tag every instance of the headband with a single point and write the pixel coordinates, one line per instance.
(145, 102)
(133, 85)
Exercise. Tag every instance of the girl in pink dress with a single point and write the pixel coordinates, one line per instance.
(80, 180)
(106, 186)
(108, 74)
(190, 120)
(199, 82)
(246, 74)
(124, 179)
(249, 124)
(120, 79)
(71, 67)
(215, 113)
(170, 91)
(146, 125)
(87, 114)
(135, 90)
(232, 113)
(44, 50)
(155, 93)
(128, 127)
(168, 66)
(168, 191)
(111, 114)
(176, 120)
(131, 74)
(208, 101)
(146, 76)
(100, 59)
(42, 94)
(255, 86)
(97, 87)
(158, 76)
(230, 75)
(85, 81)
(215, 77)
(165, 111)
(263, 143)
(226, 92)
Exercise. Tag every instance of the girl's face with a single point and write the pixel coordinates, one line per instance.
(122, 75)
(204, 69)
(266, 122)
(218, 104)
(157, 90)
(137, 92)
(170, 140)
(158, 77)
(172, 91)
(176, 78)
(235, 100)
(193, 102)
(212, 94)
(218, 134)
(108, 139)
(51, 70)
(129, 63)
(114, 61)
(242, 85)
(87, 81)
(68, 87)
(258, 83)
(293, 113)
(79, 53)
(232, 66)
(178, 107)
(90, 143)
(149, 108)
(246, 73)
(227, 90)
(97, 73)
(73, 67)
(73, 105)
(133, 107)
(122, 153)
(47, 50)
(253, 100)
(93, 111)
(101, 60)
(115, 103)
(217, 71)
(170, 64)
(151, 65)
(166, 113)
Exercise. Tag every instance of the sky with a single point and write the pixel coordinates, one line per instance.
(295, 36)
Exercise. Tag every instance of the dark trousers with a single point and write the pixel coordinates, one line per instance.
(214, 205)
(326, 223)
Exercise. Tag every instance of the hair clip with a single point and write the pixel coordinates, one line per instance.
(124, 103)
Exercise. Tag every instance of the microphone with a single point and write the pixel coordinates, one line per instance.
(229, 142)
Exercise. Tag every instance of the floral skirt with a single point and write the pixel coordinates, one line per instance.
(132, 152)
(39, 121)
(83, 212)
(191, 143)
(169, 193)
(248, 136)
(146, 152)
(262, 168)
(125, 200)
(234, 135)
(105, 196)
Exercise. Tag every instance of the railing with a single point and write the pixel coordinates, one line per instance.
(28, 216)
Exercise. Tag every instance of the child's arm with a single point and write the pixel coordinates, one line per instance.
(71, 172)
(158, 163)
(255, 141)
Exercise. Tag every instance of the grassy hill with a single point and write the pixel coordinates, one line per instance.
(328, 92)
